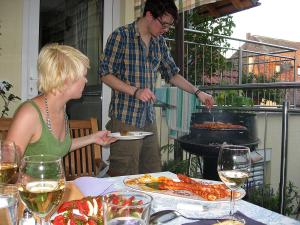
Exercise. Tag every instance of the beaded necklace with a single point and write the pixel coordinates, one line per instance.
(48, 120)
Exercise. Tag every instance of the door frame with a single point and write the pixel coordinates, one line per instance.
(30, 48)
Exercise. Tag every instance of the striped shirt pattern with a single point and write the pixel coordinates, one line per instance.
(125, 56)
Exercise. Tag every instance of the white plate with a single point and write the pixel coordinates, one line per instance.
(179, 193)
(132, 135)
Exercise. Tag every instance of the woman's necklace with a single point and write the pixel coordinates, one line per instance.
(48, 120)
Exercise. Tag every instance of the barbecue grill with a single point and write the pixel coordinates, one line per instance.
(206, 142)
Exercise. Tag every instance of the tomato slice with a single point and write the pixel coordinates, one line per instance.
(67, 206)
(83, 207)
(59, 220)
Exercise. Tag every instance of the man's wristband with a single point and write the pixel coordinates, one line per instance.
(135, 92)
(197, 92)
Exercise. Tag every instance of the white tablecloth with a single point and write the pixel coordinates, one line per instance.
(195, 208)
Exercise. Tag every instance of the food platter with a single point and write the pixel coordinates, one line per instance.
(131, 135)
(144, 187)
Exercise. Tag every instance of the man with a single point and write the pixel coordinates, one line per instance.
(133, 56)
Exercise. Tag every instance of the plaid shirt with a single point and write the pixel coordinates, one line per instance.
(125, 57)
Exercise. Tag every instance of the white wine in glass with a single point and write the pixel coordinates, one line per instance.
(41, 184)
(234, 166)
(8, 162)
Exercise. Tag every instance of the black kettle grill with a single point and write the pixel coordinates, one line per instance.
(206, 142)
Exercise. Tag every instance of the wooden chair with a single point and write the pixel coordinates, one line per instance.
(4, 126)
(86, 161)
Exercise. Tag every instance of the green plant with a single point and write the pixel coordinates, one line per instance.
(7, 96)
(270, 94)
(233, 98)
(266, 197)
(180, 166)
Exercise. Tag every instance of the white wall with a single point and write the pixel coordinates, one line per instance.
(11, 46)
(273, 141)
(114, 16)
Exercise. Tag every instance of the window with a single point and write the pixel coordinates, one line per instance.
(77, 23)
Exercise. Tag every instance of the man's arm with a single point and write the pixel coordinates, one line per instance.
(115, 83)
(185, 85)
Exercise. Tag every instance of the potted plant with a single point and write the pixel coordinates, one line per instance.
(7, 97)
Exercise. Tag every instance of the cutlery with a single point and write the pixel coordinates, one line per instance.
(160, 103)
(165, 216)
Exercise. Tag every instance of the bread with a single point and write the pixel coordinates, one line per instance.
(124, 132)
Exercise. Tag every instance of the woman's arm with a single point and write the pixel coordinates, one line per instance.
(100, 138)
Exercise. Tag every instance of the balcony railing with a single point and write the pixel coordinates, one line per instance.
(262, 72)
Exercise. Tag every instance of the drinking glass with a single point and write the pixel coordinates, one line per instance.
(126, 207)
(41, 184)
(233, 169)
(8, 162)
(8, 204)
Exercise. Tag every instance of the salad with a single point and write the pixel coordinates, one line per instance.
(89, 210)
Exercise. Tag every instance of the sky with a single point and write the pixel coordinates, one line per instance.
(273, 18)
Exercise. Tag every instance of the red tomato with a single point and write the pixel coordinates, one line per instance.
(72, 222)
(67, 206)
(128, 201)
(83, 207)
(115, 200)
(59, 220)
(92, 222)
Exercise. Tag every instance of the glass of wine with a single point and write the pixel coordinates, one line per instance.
(234, 168)
(8, 162)
(41, 184)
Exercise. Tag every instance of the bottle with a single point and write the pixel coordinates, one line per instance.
(27, 219)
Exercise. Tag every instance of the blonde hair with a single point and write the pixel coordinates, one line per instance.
(59, 63)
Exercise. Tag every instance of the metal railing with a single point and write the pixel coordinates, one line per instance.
(251, 62)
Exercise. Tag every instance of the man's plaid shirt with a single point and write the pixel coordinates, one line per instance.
(125, 56)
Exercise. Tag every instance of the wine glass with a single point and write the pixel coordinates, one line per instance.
(41, 184)
(8, 162)
(233, 169)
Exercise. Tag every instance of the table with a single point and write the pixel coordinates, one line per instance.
(215, 209)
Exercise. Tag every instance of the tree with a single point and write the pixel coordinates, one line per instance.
(205, 52)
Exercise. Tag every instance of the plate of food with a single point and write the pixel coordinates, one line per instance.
(130, 135)
(185, 187)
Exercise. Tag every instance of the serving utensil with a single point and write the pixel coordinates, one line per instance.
(167, 215)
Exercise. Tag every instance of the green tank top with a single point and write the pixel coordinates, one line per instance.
(47, 144)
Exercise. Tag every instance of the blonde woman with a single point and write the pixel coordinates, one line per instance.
(40, 125)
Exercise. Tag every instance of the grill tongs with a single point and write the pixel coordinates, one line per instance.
(163, 105)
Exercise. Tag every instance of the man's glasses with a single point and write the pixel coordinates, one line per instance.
(164, 25)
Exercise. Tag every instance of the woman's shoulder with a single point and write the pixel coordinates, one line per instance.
(29, 110)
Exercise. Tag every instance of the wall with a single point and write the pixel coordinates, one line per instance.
(273, 141)
(11, 46)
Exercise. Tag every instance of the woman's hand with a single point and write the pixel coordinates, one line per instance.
(102, 138)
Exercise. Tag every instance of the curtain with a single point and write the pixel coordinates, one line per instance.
(81, 26)
(182, 5)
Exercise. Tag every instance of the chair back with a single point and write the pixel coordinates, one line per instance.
(4, 126)
(85, 161)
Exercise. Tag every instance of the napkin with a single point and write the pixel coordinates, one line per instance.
(92, 186)
(248, 220)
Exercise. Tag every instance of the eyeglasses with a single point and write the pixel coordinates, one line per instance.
(164, 25)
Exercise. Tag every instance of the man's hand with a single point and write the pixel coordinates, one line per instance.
(145, 95)
(206, 99)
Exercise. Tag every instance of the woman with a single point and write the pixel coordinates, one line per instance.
(40, 125)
